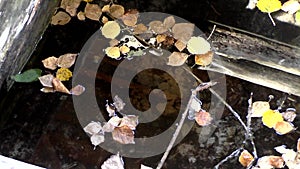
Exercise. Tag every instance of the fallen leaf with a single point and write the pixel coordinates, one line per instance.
(196, 104)
(114, 162)
(97, 139)
(298, 145)
(93, 128)
(145, 167)
(111, 29)
(169, 41)
(289, 115)
(113, 52)
(60, 18)
(177, 59)
(291, 6)
(271, 117)
(63, 74)
(118, 103)
(246, 158)
(81, 16)
(108, 127)
(283, 127)
(130, 121)
(259, 107)
(157, 27)
(198, 45)
(124, 49)
(116, 11)
(92, 11)
(47, 90)
(110, 109)
(59, 86)
(129, 19)
(268, 6)
(270, 162)
(113, 42)
(180, 45)
(204, 59)
(115, 121)
(27, 76)
(50, 63)
(46, 80)
(160, 38)
(77, 90)
(289, 156)
(139, 29)
(169, 22)
(105, 8)
(203, 118)
(183, 31)
(123, 135)
(66, 60)
(104, 20)
(70, 6)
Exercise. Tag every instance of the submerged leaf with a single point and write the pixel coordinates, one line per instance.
(50, 62)
(30, 75)
(129, 19)
(177, 59)
(113, 52)
(70, 6)
(47, 90)
(67, 60)
(130, 120)
(169, 22)
(46, 80)
(140, 28)
(111, 29)
(157, 27)
(268, 6)
(97, 139)
(123, 135)
(180, 45)
(118, 103)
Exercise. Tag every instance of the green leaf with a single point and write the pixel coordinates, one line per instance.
(30, 75)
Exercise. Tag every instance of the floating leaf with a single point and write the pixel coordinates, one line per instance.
(283, 127)
(246, 158)
(46, 80)
(169, 22)
(81, 16)
(129, 19)
(180, 45)
(203, 118)
(93, 128)
(114, 162)
(271, 117)
(268, 6)
(290, 157)
(123, 135)
(291, 6)
(66, 60)
(63, 74)
(97, 139)
(130, 121)
(183, 31)
(70, 6)
(157, 27)
(30, 75)
(115, 121)
(77, 90)
(259, 107)
(60, 18)
(177, 59)
(50, 62)
(113, 52)
(92, 11)
(198, 45)
(140, 28)
(59, 86)
(111, 29)
(116, 11)
(204, 59)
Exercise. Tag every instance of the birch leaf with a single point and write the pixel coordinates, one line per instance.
(59, 86)
(203, 118)
(177, 59)
(268, 6)
(198, 45)
(204, 59)
(50, 63)
(92, 11)
(60, 18)
(46, 80)
(123, 135)
(183, 31)
(66, 60)
(93, 128)
(259, 107)
(77, 90)
(111, 29)
(97, 139)
(246, 158)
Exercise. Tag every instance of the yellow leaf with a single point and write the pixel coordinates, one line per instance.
(63, 74)
(111, 29)
(270, 118)
(268, 6)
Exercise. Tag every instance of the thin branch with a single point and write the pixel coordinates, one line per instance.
(272, 20)
(211, 33)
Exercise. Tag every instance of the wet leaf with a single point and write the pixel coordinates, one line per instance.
(60, 18)
(77, 90)
(47, 90)
(116, 11)
(271, 117)
(114, 162)
(70, 6)
(160, 38)
(92, 11)
(111, 29)
(66, 60)
(169, 22)
(97, 139)
(46, 80)
(113, 42)
(180, 45)
(289, 115)
(177, 59)
(203, 118)
(140, 28)
(123, 135)
(27, 76)
(283, 127)
(59, 86)
(268, 6)
(270, 162)
(63, 74)
(81, 16)
(130, 120)
(50, 63)
(259, 107)
(183, 31)
(129, 19)
(291, 6)
(124, 49)
(204, 59)
(157, 27)
(113, 52)
(110, 109)
(93, 128)
(198, 45)
(246, 158)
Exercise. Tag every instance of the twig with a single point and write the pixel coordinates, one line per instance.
(199, 88)
(211, 33)
(269, 14)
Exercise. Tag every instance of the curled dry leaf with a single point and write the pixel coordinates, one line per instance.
(129, 19)
(183, 31)
(66, 60)
(259, 107)
(283, 127)
(114, 162)
(203, 118)
(97, 139)
(116, 11)
(204, 59)
(169, 22)
(59, 86)
(63, 74)
(270, 162)
(81, 16)
(246, 158)
(50, 63)
(180, 45)
(123, 135)
(157, 27)
(93, 128)
(111, 29)
(60, 18)
(139, 29)
(198, 45)
(92, 11)
(177, 59)
(46, 80)
(77, 90)
(113, 52)
(70, 6)
(130, 120)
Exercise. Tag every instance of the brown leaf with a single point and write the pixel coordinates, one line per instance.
(169, 22)
(46, 80)
(283, 127)
(177, 59)
(180, 45)
(70, 6)
(129, 19)
(77, 90)
(157, 27)
(60, 18)
(203, 118)
(270, 162)
(130, 120)
(116, 11)
(169, 41)
(140, 28)
(81, 16)
(92, 11)
(204, 59)
(123, 135)
(246, 158)
(50, 63)
(183, 31)
(160, 38)
(59, 86)
(105, 8)
(66, 60)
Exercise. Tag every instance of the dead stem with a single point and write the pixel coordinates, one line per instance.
(212, 32)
